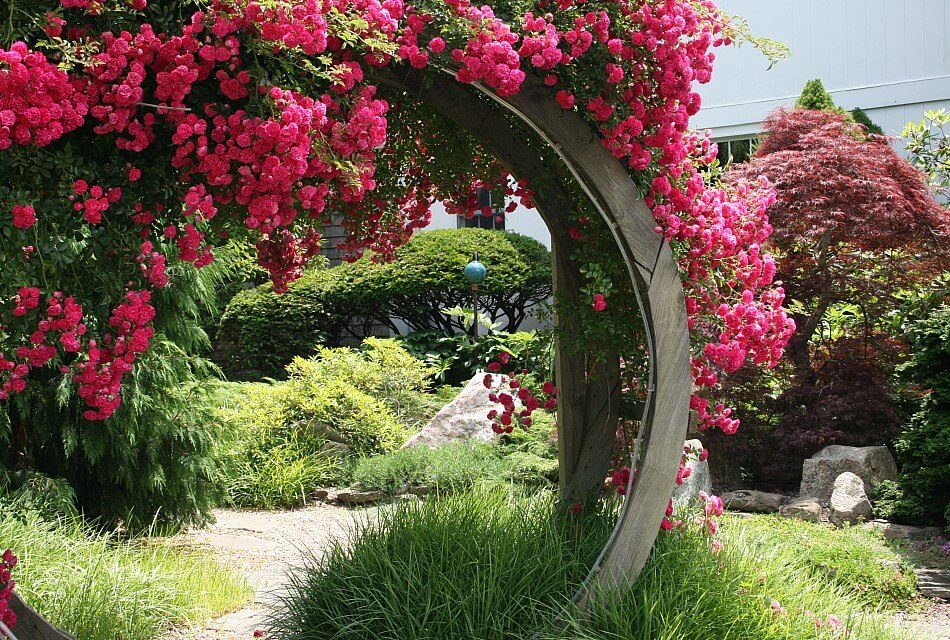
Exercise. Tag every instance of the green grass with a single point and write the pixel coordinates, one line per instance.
(449, 467)
(855, 559)
(100, 588)
(494, 566)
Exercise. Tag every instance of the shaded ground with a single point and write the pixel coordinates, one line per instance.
(264, 545)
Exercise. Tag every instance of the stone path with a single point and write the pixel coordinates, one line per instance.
(933, 622)
(264, 545)
(934, 583)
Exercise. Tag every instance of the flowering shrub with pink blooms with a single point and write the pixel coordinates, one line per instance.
(137, 136)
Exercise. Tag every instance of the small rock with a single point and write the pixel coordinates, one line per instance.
(849, 501)
(807, 509)
(893, 531)
(871, 464)
(422, 490)
(353, 496)
(333, 448)
(699, 479)
(753, 501)
(320, 494)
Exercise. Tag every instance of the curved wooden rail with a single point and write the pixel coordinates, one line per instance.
(655, 277)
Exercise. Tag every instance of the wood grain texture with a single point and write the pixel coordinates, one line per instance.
(32, 626)
(655, 277)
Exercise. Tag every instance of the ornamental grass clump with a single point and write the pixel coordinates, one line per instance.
(496, 565)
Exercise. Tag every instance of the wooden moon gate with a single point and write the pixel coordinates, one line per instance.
(585, 441)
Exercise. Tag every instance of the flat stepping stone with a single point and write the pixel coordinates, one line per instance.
(934, 583)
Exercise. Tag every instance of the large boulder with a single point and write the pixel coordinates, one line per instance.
(871, 464)
(849, 501)
(463, 419)
(699, 479)
(753, 501)
(807, 509)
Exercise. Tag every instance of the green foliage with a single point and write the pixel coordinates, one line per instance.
(281, 440)
(861, 117)
(815, 97)
(923, 449)
(153, 460)
(494, 565)
(854, 559)
(99, 587)
(51, 498)
(928, 145)
(471, 565)
(446, 468)
(261, 332)
(455, 359)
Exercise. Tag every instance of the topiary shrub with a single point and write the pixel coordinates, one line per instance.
(815, 97)
(261, 332)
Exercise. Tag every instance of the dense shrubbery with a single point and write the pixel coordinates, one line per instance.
(261, 331)
(283, 439)
(492, 565)
(153, 459)
(922, 493)
(101, 588)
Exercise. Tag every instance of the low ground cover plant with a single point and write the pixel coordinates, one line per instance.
(493, 565)
(102, 587)
(526, 456)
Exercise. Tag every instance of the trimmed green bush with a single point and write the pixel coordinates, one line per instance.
(493, 565)
(261, 332)
(99, 587)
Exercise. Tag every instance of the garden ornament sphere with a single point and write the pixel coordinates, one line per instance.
(475, 271)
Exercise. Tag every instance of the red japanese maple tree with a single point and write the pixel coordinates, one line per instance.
(853, 220)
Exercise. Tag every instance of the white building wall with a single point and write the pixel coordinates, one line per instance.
(889, 57)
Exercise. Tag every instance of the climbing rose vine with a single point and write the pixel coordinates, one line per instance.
(136, 136)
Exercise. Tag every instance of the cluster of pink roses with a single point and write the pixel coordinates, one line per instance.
(511, 394)
(63, 317)
(39, 103)
(7, 562)
(100, 375)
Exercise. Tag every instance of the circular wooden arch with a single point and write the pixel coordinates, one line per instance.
(587, 412)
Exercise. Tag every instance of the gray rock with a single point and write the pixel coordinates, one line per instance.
(807, 509)
(871, 464)
(463, 419)
(354, 496)
(849, 502)
(893, 531)
(934, 583)
(753, 501)
(699, 478)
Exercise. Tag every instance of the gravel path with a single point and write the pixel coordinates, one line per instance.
(932, 622)
(264, 545)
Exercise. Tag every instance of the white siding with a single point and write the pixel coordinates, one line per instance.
(889, 57)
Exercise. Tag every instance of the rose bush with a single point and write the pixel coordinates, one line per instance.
(199, 121)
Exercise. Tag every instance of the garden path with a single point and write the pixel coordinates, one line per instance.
(264, 545)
